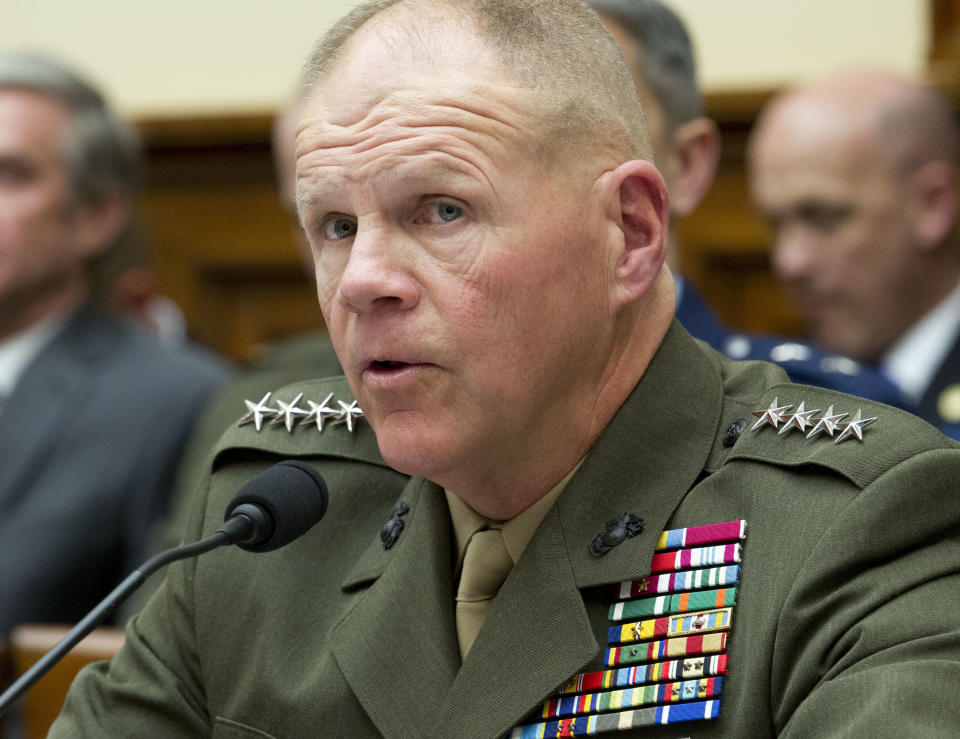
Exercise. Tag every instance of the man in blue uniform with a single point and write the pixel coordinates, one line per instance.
(857, 175)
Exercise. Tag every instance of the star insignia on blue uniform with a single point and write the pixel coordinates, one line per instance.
(287, 413)
(772, 416)
(798, 420)
(855, 427)
(828, 422)
(258, 412)
(348, 414)
(319, 412)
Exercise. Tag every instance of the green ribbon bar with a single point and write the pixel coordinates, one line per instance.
(665, 605)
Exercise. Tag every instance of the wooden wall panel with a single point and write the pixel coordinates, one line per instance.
(223, 247)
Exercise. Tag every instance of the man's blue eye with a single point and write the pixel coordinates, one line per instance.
(339, 228)
(449, 212)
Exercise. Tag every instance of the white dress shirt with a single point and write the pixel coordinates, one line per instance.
(17, 351)
(913, 361)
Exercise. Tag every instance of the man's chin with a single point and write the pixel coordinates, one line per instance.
(409, 445)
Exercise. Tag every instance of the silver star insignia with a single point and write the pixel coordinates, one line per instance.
(348, 414)
(287, 413)
(855, 427)
(319, 412)
(257, 412)
(773, 415)
(798, 420)
(828, 422)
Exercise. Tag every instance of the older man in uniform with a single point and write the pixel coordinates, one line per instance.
(857, 175)
(557, 514)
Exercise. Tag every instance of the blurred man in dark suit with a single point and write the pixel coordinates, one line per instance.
(93, 411)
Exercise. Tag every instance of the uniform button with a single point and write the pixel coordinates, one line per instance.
(948, 404)
(733, 432)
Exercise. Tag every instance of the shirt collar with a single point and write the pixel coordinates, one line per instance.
(912, 362)
(517, 532)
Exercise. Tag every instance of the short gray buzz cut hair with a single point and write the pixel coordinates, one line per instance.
(103, 152)
(666, 61)
(580, 84)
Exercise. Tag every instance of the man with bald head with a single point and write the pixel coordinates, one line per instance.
(537, 523)
(857, 175)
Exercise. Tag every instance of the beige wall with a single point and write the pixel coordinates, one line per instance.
(766, 43)
(182, 57)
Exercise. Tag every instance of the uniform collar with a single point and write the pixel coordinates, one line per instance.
(517, 532)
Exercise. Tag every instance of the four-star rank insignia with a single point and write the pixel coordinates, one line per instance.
(667, 653)
(801, 419)
(291, 414)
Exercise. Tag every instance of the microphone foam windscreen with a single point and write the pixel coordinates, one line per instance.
(294, 495)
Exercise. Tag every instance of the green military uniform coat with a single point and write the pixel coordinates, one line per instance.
(847, 620)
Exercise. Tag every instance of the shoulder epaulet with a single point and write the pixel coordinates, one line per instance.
(797, 425)
(309, 418)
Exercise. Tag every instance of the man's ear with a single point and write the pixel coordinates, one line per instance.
(100, 223)
(934, 188)
(639, 206)
(696, 151)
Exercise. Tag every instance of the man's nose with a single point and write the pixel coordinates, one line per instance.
(792, 252)
(378, 273)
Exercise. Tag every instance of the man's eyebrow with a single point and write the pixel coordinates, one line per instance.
(16, 161)
(444, 170)
(823, 205)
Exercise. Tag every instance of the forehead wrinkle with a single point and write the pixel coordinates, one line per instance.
(418, 168)
(381, 136)
(489, 98)
(454, 113)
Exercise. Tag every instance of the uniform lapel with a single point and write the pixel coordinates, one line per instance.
(534, 637)
(537, 633)
(397, 647)
(647, 459)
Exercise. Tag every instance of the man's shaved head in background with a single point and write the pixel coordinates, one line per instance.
(857, 176)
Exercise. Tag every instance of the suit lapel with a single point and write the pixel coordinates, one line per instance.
(397, 645)
(946, 374)
(48, 394)
(538, 633)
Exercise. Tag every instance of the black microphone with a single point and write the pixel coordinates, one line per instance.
(277, 506)
(282, 503)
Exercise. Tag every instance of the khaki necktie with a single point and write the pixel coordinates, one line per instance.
(486, 564)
